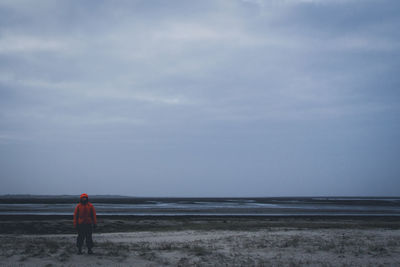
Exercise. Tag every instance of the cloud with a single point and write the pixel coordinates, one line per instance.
(240, 81)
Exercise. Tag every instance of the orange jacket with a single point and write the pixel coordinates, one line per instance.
(84, 213)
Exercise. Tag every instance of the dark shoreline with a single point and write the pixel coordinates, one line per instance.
(62, 224)
(173, 217)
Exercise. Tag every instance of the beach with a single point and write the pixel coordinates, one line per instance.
(204, 241)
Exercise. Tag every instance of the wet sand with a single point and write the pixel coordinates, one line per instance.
(204, 241)
(132, 206)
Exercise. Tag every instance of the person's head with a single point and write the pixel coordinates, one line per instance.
(84, 198)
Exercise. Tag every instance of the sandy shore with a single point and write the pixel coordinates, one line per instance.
(322, 242)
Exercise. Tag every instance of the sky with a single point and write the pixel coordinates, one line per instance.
(228, 98)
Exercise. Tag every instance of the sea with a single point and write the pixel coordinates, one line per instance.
(262, 206)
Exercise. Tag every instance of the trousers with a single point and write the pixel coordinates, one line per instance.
(84, 233)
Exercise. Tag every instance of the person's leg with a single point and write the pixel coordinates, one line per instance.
(80, 238)
(89, 240)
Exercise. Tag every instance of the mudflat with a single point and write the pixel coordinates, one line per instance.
(204, 241)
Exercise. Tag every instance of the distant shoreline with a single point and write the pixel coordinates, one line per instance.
(261, 216)
(17, 198)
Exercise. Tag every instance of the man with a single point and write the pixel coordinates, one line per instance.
(84, 218)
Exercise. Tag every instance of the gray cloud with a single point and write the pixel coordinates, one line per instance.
(199, 98)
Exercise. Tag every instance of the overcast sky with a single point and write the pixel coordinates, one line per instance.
(200, 98)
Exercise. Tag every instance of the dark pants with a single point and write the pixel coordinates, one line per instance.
(84, 232)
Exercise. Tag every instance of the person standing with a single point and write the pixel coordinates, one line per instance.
(84, 222)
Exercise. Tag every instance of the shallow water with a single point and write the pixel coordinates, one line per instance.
(223, 206)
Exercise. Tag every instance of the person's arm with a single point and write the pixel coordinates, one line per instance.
(94, 218)
(76, 216)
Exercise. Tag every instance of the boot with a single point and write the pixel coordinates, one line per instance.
(79, 251)
(90, 251)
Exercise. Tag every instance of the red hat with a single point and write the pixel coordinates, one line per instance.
(84, 195)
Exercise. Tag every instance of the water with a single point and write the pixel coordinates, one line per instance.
(212, 207)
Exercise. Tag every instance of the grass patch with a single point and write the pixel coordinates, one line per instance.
(199, 250)
(109, 224)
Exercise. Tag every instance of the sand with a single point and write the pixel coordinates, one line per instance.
(261, 247)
